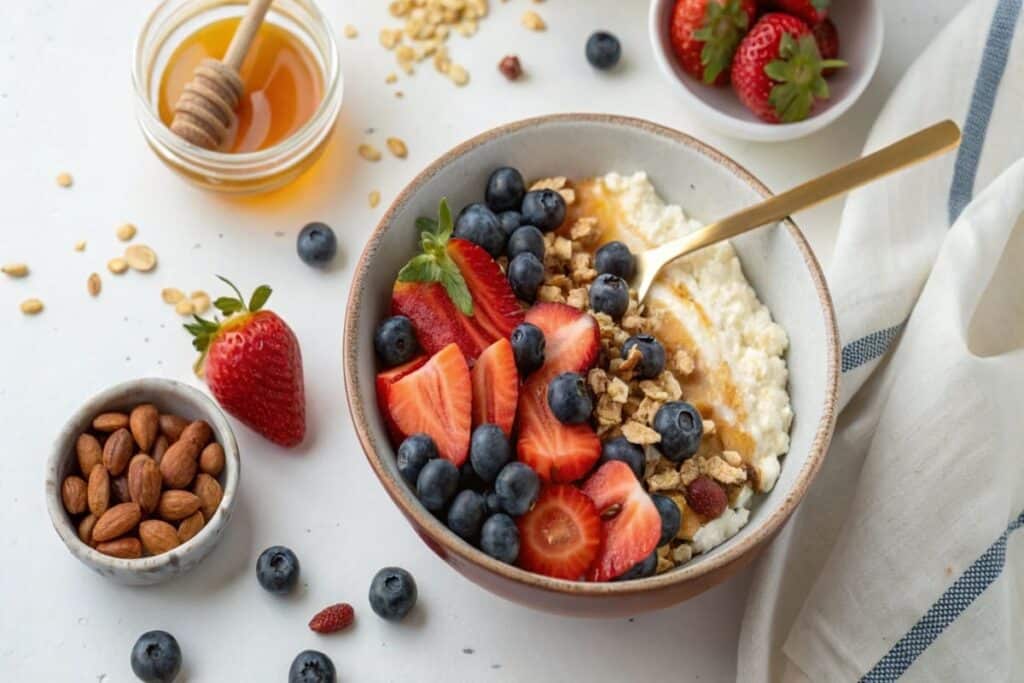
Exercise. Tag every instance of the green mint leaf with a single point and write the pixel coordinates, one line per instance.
(228, 305)
(444, 221)
(259, 297)
(424, 224)
(421, 268)
(455, 285)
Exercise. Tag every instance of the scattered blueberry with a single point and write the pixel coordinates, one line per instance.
(317, 244)
(609, 294)
(671, 518)
(569, 398)
(517, 487)
(489, 451)
(499, 538)
(392, 593)
(543, 208)
(620, 448)
(312, 666)
(615, 258)
(681, 429)
(603, 50)
(413, 454)
(509, 222)
(466, 514)
(652, 360)
(492, 502)
(156, 657)
(525, 275)
(526, 238)
(479, 225)
(641, 569)
(395, 341)
(505, 189)
(437, 483)
(528, 347)
(277, 569)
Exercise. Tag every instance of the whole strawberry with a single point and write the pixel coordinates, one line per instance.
(777, 69)
(811, 11)
(253, 366)
(333, 618)
(827, 37)
(704, 35)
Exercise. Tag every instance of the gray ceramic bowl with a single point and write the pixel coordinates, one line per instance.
(168, 396)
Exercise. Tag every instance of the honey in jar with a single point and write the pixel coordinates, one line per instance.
(283, 82)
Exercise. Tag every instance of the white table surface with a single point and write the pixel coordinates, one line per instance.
(66, 105)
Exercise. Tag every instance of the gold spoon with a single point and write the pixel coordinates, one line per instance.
(913, 149)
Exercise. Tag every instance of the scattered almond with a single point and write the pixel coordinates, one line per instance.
(176, 505)
(140, 258)
(144, 421)
(209, 492)
(117, 451)
(171, 295)
(172, 426)
(200, 302)
(109, 422)
(127, 548)
(374, 198)
(93, 285)
(117, 265)
(98, 490)
(184, 307)
(532, 21)
(74, 494)
(144, 482)
(178, 466)
(190, 526)
(126, 232)
(211, 460)
(369, 152)
(64, 179)
(198, 433)
(158, 536)
(31, 306)
(15, 269)
(89, 452)
(397, 147)
(85, 528)
(117, 521)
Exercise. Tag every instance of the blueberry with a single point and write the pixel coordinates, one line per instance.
(479, 225)
(681, 429)
(526, 239)
(392, 593)
(603, 50)
(312, 666)
(621, 449)
(277, 569)
(437, 483)
(317, 244)
(517, 487)
(492, 503)
(413, 454)
(499, 538)
(509, 222)
(528, 347)
(671, 518)
(617, 259)
(489, 451)
(395, 341)
(543, 208)
(609, 294)
(466, 514)
(641, 569)
(525, 275)
(569, 398)
(156, 657)
(652, 355)
(505, 189)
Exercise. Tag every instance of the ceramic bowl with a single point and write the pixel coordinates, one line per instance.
(777, 261)
(171, 397)
(861, 33)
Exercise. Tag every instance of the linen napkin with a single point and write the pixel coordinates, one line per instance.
(904, 559)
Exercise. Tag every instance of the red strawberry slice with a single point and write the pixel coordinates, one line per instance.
(496, 311)
(632, 533)
(572, 338)
(496, 386)
(556, 451)
(385, 380)
(435, 399)
(438, 323)
(561, 535)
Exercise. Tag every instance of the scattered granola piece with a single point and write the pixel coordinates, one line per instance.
(683, 362)
(389, 38)
(638, 433)
(682, 553)
(64, 179)
(663, 481)
(632, 359)
(80, 245)
(562, 248)
(140, 258)
(688, 471)
(577, 298)
(374, 198)
(618, 390)
(171, 295)
(15, 270)
(733, 458)
(584, 230)
(117, 265)
(126, 232)
(664, 564)
(31, 306)
(549, 293)
(553, 183)
(350, 31)
(510, 68)
(397, 147)
(369, 152)
(709, 427)
(93, 284)
(722, 472)
(184, 307)
(391, 78)
(598, 381)
(532, 21)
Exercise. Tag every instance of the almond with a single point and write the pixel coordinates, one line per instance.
(144, 482)
(158, 536)
(119, 492)
(117, 451)
(160, 447)
(198, 433)
(172, 426)
(98, 492)
(178, 466)
(85, 529)
(128, 548)
(177, 505)
(89, 452)
(73, 493)
(190, 526)
(110, 422)
(211, 460)
(209, 492)
(144, 421)
(117, 521)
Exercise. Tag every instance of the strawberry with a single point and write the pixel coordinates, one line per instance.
(436, 399)
(253, 366)
(704, 35)
(571, 337)
(777, 70)
(453, 291)
(632, 524)
(385, 380)
(811, 11)
(561, 535)
(333, 618)
(496, 387)
(827, 38)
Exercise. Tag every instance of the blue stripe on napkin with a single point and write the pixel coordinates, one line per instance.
(946, 609)
(869, 347)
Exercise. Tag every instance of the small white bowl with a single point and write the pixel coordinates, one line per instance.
(861, 33)
(171, 397)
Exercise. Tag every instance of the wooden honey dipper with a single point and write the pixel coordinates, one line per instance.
(205, 112)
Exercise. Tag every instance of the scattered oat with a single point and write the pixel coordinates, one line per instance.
(389, 38)
(374, 198)
(31, 306)
(200, 302)
(532, 21)
(171, 295)
(140, 258)
(126, 232)
(64, 179)
(638, 433)
(458, 74)
(391, 78)
(80, 245)
(93, 284)
(184, 307)
(369, 152)
(683, 362)
(117, 265)
(350, 31)
(15, 270)
(397, 147)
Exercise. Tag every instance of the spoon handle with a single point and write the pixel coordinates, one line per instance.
(915, 148)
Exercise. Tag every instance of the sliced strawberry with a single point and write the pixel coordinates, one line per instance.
(438, 323)
(385, 380)
(496, 386)
(572, 338)
(558, 452)
(632, 533)
(435, 399)
(561, 535)
(496, 311)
